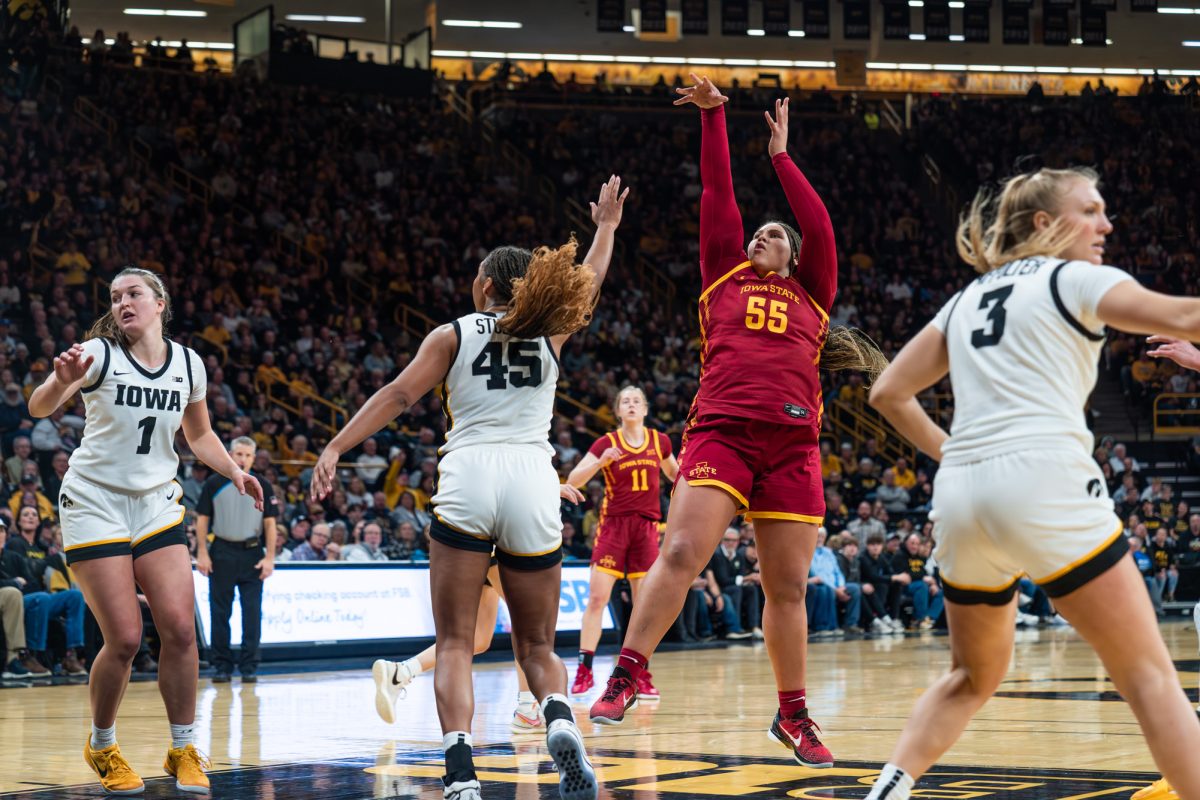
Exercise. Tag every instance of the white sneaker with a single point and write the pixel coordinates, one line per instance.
(897, 625)
(390, 679)
(576, 778)
(1024, 600)
(879, 626)
(1026, 620)
(460, 790)
(527, 718)
(1058, 620)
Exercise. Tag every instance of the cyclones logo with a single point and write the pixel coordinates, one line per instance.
(702, 470)
(608, 562)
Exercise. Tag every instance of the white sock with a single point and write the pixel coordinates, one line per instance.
(893, 784)
(456, 737)
(414, 666)
(183, 735)
(103, 737)
(526, 699)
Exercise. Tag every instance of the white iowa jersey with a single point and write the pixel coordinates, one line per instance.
(132, 414)
(499, 390)
(1024, 342)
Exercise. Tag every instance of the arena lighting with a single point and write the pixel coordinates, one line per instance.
(164, 12)
(1080, 41)
(629, 29)
(1178, 10)
(957, 37)
(916, 3)
(795, 34)
(770, 62)
(323, 18)
(957, 4)
(1191, 43)
(916, 37)
(475, 23)
(756, 32)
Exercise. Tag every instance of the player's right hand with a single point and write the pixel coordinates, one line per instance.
(610, 455)
(70, 365)
(323, 473)
(569, 493)
(203, 564)
(702, 92)
(1182, 353)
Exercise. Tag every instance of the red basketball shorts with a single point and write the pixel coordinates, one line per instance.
(625, 546)
(772, 471)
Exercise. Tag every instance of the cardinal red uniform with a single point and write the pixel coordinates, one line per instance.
(753, 427)
(627, 536)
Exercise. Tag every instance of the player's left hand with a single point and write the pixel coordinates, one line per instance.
(779, 128)
(248, 484)
(1182, 353)
(265, 567)
(323, 473)
(569, 493)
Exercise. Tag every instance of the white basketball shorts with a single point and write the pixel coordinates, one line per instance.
(1045, 513)
(502, 496)
(98, 522)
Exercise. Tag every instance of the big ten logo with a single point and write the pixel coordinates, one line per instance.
(573, 597)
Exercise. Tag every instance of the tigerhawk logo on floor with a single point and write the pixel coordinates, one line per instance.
(510, 771)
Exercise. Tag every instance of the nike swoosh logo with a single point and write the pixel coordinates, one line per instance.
(115, 373)
(395, 672)
(102, 772)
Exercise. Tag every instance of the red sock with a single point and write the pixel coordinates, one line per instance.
(632, 662)
(791, 703)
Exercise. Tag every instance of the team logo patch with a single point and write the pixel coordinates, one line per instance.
(608, 562)
(65, 501)
(1094, 487)
(702, 470)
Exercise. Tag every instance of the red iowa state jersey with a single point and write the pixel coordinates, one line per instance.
(760, 343)
(631, 485)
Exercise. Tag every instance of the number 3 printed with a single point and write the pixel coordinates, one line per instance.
(759, 316)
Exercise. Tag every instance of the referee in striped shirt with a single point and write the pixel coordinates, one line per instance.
(238, 559)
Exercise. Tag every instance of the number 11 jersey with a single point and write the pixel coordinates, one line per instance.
(499, 390)
(1024, 342)
(132, 415)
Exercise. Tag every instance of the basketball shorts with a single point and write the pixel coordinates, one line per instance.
(1044, 513)
(501, 496)
(772, 471)
(98, 522)
(625, 546)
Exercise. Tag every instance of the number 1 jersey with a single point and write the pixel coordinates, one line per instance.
(132, 414)
(499, 390)
(1024, 343)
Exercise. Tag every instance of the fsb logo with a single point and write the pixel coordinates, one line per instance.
(574, 597)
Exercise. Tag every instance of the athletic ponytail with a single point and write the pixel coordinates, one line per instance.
(546, 292)
(849, 348)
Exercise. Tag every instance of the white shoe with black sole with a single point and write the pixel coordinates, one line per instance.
(461, 790)
(390, 679)
(576, 777)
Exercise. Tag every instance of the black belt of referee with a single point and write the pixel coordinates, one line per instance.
(248, 544)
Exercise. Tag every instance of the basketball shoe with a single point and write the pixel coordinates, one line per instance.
(645, 689)
(116, 776)
(1159, 790)
(620, 695)
(390, 679)
(462, 790)
(576, 777)
(187, 765)
(527, 718)
(583, 680)
(798, 733)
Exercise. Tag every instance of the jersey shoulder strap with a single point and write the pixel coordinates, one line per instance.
(1065, 312)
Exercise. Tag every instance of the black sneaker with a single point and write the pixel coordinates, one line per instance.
(222, 677)
(251, 678)
(15, 670)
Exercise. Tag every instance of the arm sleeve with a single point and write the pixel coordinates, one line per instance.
(199, 378)
(270, 501)
(1082, 286)
(599, 446)
(205, 504)
(817, 272)
(721, 246)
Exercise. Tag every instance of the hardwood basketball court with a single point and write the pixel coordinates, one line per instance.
(1056, 731)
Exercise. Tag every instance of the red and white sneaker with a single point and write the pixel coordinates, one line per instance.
(645, 689)
(527, 718)
(798, 733)
(583, 680)
(620, 695)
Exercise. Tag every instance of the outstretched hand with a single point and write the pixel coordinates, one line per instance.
(1182, 353)
(779, 128)
(702, 92)
(70, 365)
(607, 210)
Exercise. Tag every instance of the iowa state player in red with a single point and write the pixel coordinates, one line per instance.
(750, 446)
(627, 537)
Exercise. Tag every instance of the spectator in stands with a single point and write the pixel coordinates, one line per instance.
(406, 511)
(729, 567)
(894, 498)
(865, 524)
(573, 546)
(1162, 552)
(406, 546)
(910, 566)
(371, 465)
(827, 573)
(14, 465)
(1117, 460)
(53, 484)
(313, 549)
(850, 566)
(1145, 565)
(887, 590)
(19, 663)
(370, 548)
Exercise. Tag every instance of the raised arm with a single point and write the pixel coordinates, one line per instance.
(721, 234)
(606, 214)
(817, 271)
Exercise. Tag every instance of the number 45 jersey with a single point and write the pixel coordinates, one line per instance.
(1024, 342)
(132, 415)
(499, 390)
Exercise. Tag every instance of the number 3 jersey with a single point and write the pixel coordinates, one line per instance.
(132, 415)
(499, 390)
(1024, 342)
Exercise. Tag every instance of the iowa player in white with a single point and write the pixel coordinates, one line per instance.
(497, 486)
(1017, 491)
(121, 513)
